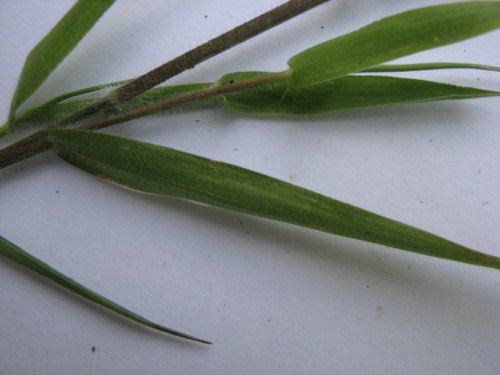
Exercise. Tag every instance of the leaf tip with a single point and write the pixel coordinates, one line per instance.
(179, 334)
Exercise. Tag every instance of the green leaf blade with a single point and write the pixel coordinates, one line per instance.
(163, 171)
(18, 255)
(393, 37)
(55, 46)
(344, 93)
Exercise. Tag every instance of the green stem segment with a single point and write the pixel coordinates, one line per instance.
(18, 255)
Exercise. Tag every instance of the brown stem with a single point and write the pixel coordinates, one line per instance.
(199, 54)
(25, 148)
(191, 97)
(38, 142)
(213, 47)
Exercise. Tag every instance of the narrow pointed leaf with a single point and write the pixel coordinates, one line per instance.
(55, 46)
(344, 93)
(18, 255)
(392, 37)
(164, 171)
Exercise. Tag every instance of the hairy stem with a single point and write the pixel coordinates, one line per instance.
(24, 149)
(38, 143)
(199, 54)
(187, 98)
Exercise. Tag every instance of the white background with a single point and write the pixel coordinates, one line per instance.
(274, 298)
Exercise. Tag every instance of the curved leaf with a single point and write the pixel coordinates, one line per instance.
(392, 37)
(18, 255)
(344, 93)
(55, 46)
(159, 170)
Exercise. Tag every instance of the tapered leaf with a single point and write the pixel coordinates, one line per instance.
(392, 37)
(54, 110)
(55, 46)
(164, 171)
(348, 92)
(18, 255)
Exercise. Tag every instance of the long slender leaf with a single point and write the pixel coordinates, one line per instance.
(18, 255)
(54, 47)
(392, 37)
(164, 171)
(348, 92)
